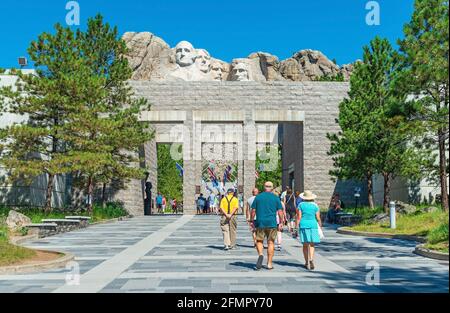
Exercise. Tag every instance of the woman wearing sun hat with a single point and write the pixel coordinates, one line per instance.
(308, 220)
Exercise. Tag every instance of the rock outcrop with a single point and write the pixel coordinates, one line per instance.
(151, 58)
(16, 220)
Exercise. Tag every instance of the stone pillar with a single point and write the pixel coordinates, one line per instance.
(189, 187)
(190, 160)
(240, 172)
(198, 174)
(130, 193)
(249, 155)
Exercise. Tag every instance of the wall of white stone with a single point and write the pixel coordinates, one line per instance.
(19, 194)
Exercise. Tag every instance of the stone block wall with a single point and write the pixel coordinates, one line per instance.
(317, 100)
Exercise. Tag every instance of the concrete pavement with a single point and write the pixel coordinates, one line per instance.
(184, 254)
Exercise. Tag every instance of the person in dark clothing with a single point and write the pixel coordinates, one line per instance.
(291, 208)
(335, 207)
(201, 204)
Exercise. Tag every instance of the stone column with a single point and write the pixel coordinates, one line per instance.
(190, 154)
(130, 193)
(189, 187)
(240, 173)
(249, 151)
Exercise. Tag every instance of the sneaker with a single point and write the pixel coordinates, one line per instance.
(259, 262)
(226, 248)
(311, 265)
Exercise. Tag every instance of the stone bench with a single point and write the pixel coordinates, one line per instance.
(63, 225)
(84, 220)
(43, 229)
(348, 220)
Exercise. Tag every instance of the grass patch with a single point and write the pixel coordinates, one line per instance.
(439, 247)
(420, 224)
(365, 212)
(10, 254)
(438, 237)
(112, 210)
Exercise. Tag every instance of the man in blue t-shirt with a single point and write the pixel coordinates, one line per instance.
(265, 208)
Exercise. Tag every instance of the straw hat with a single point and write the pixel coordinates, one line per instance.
(308, 195)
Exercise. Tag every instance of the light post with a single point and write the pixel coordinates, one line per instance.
(357, 195)
(392, 214)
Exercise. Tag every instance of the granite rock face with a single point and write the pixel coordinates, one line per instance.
(151, 58)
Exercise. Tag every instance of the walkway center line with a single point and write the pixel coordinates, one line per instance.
(100, 276)
(341, 285)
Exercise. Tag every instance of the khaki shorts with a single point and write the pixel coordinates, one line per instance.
(269, 233)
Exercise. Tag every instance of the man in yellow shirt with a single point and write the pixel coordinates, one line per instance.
(228, 222)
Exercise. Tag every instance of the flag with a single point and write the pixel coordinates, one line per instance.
(211, 173)
(227, 174)
(179, 168)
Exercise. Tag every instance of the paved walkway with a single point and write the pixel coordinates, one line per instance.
(184, 254)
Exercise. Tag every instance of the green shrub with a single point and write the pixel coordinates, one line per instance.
(439, 233)
(111, 210)
(3, 233)
(23, 231)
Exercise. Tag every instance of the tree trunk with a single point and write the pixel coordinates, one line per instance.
(387, 191)
(90, 191)
(104, 195)
(443, 170)
(49, 194)
(370, 192)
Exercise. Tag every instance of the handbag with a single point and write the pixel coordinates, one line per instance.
(321, 235)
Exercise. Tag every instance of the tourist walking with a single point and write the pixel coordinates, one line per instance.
(308, 219)
(164, 204)
(212, 202)
(216, 205)
(291, 209)
(280, 223)
(248, 209)
(174, 206)
(201, 204)
(265, 209)
(229, 206)
(159, 201)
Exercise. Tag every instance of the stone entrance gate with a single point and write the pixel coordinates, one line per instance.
(244, 115)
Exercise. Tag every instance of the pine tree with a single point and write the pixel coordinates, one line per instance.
(35, 147)
(104, 134)
(83, 118)
(426, 52)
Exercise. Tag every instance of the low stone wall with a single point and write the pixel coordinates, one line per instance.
(43, 229)
(51, 227)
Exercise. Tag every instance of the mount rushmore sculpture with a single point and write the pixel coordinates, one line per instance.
(151, 58)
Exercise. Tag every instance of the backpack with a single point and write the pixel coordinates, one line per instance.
(291, 204)
(201, 202)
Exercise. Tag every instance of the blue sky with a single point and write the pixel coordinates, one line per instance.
(226, 28)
